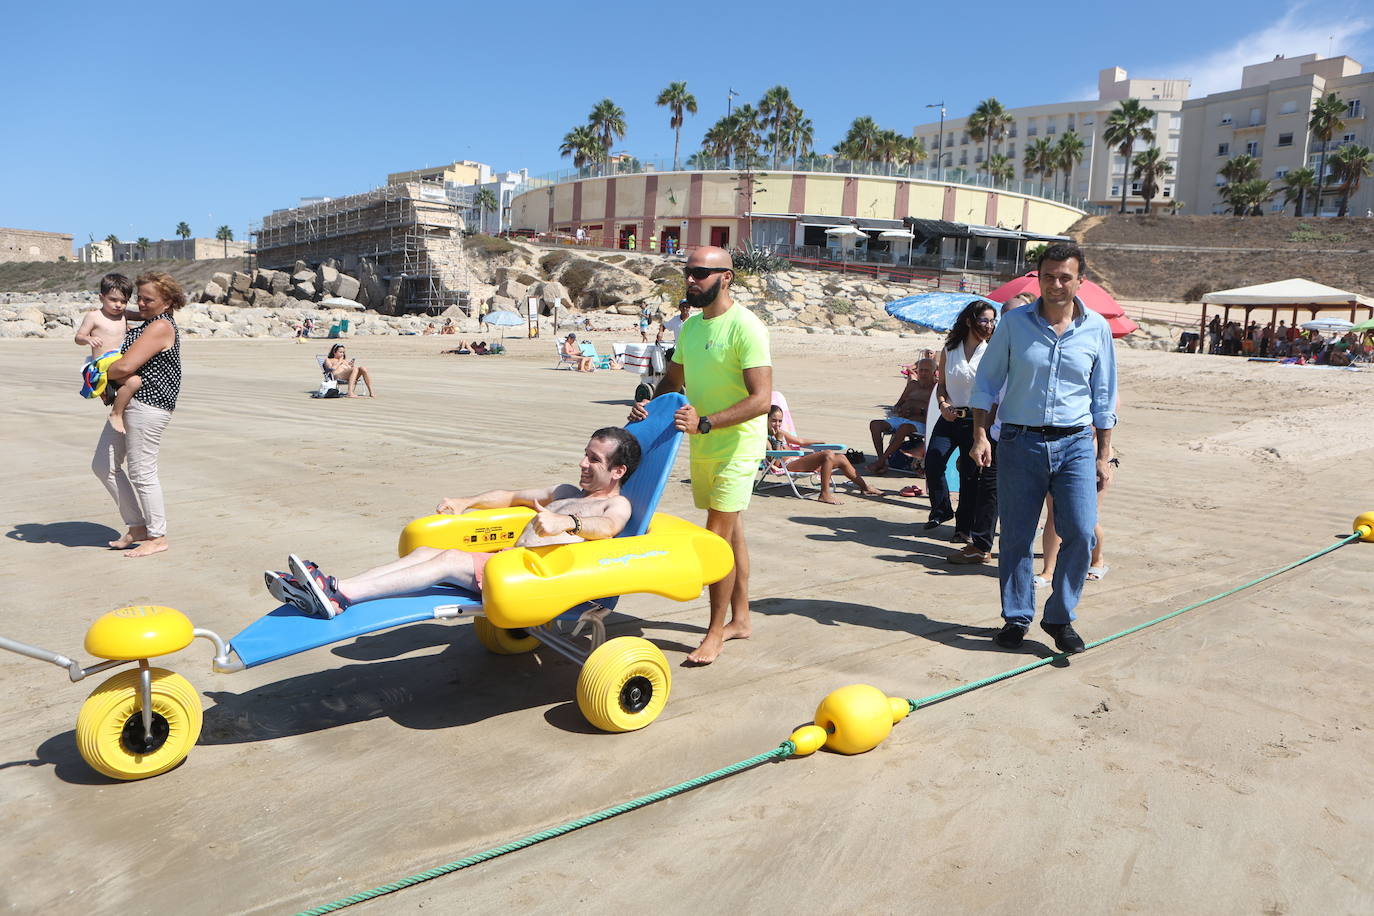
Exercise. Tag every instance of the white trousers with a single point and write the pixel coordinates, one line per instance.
(138, 493)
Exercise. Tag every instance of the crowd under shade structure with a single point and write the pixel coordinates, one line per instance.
(1296, 295)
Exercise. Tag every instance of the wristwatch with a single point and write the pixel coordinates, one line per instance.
(704, 425)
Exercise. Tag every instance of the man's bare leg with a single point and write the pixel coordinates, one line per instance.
(417, 570)
(899, 436)
(148, 548)
(131, 537)
(730, 593)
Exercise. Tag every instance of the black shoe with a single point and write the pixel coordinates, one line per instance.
(1011, 635)
(1066, 639)
(936, 521)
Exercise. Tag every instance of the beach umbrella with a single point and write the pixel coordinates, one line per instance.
(1121, 326)
(339, 302)
(936, 311)
(1093, 296)
(852, 232)
(1329, 325)
(1364, 326)
(502, 318)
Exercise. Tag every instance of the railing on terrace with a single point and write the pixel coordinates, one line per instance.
(928, 171)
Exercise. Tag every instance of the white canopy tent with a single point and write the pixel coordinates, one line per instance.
(1297, 294)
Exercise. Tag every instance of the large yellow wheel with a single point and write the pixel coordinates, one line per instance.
(109, 729)
(624, 684)
(503, 642)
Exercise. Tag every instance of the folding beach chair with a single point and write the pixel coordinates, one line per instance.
(598, 361)
(328, 383)
(563, 358)
(773, 468)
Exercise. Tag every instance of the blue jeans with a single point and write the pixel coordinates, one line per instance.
(1029, 465)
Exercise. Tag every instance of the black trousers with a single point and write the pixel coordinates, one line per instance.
(977, 512)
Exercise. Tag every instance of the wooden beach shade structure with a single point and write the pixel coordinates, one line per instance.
(1297, 294)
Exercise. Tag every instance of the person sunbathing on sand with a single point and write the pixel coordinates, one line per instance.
(590, 510)
(823, 463)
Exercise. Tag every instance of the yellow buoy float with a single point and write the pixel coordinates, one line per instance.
(1364, 526)
(851, 720)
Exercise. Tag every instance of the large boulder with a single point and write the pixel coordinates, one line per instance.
(280, 282)
(11, 329)
(262, 279)
(372, 291)
(512, 289)
(347, 287)
(240, 283)
(596, 284)
(328, 276)
(303, 276)
(304, 291)
(222, 278)
(213, 292)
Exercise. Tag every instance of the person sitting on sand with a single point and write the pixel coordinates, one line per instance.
(907, 417)
(823, 463)
(347, 370)
(573, 352)
(566, 513)
(448, 327)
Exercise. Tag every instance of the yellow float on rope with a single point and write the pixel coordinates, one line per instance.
(851, 720)
(1364, 526)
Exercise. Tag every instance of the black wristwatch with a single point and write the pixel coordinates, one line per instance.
(703, 425)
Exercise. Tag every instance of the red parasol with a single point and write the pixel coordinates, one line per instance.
(1121, 326)
(1093, 296)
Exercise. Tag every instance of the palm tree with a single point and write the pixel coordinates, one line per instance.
(183, 230)
(1000, 168)
(583, 145)
(860, 144)
(1039, 158)
(143, 245)
(608, 120)
(113, 241)
(890, 144)
(225, 235)
(1249, 197)
(1325, 122)
(484, 200)
(1349, 164)
(1237, 171)
(1124, 126)
(1296, 186)
(1149, 167)
(800, 133)
(679, 103)
(913, 152)
(989, 122)
(774, 107)
(1068, 152)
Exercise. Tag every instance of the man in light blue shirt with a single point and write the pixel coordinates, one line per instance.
(1056, 359)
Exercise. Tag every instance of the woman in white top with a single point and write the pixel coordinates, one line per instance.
(957, 366)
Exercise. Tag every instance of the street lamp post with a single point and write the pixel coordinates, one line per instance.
(940, 153)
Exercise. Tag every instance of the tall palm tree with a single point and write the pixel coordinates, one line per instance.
(1296, 186)
(225, 235)
(890, 144)
(1237, 171)
(801, 134)
(1249, 196)
(1039, 158)
(860, 143)
(583, 145)
(1149, 167)
(183, 230)
(142, 244)
(1125, 125)
(1068, 152)
(679, 103)
(1324, 124)
(988, 122)
(113, 241)
(774, 108)
(1349, 164)
(1000, 168)
(913, 153)
(608, 120)
(484, 200)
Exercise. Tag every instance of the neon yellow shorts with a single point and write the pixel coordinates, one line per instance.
(723, 485)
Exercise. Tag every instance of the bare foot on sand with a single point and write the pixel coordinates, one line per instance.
(710, 647)
(871, 491)
(828, 499)
(129, 538)
(148, 548)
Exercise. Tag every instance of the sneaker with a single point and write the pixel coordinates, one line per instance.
(1066, 639)
(936, 520)
(1010, 636)
(969, 556)
(959, 538)
(285, 588)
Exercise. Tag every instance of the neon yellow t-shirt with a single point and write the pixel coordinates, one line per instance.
(713, 355)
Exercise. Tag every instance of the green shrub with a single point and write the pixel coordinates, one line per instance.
(839, 306)
(753, 260)
(488, 245)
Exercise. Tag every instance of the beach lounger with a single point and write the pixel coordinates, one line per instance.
(772, 469)
(564, 359)
(598, 360)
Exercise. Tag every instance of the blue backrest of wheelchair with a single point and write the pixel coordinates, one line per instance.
(658, 443)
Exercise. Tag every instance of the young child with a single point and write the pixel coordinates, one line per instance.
(103, 331)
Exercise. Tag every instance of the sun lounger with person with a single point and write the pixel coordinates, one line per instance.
(822, 463)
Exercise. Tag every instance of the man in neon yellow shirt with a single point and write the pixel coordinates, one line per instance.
(722, 358)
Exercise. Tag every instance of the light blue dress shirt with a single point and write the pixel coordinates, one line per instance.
(1051, 380)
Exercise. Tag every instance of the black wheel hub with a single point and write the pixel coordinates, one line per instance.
(636, 694)
(136, 741)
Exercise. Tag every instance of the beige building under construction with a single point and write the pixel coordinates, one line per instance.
(410, 232)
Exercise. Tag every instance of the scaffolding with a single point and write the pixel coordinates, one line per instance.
(411, 231)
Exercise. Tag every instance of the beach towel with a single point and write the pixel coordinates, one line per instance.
(93, 378)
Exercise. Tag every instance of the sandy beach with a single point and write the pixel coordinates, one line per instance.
(1216, 763)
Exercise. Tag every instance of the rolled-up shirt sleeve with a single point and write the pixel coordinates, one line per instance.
(1102, 383)
(992, 369)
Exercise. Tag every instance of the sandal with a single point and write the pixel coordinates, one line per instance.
(323, 591)
(912, 490)
(1097, 573)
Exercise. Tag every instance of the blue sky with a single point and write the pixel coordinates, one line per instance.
(129, 118)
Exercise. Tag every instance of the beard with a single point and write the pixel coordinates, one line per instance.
(704, 298)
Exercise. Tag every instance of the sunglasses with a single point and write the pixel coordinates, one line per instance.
(701, 273)
(987, 320)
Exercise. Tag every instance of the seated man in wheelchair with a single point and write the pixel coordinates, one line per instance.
(565, 513)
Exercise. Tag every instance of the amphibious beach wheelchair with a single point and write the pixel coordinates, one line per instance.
(144, 721)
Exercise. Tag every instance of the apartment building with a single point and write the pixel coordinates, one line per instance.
(1267, 118)
(1099, 176)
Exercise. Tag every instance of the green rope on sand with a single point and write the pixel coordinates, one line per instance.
(1040, 663)
(781, 752)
